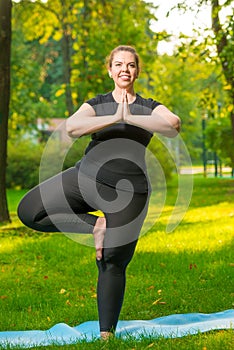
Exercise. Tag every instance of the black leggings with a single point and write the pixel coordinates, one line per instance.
(58, 204)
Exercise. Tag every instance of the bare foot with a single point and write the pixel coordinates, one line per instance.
(98, 234)
(106, 335)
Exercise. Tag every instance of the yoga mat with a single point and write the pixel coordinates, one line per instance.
(172, 326)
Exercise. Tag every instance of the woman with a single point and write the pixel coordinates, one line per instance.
(111, 177)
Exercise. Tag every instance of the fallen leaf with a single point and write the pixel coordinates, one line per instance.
(156, 301)
(62, 291)
(191, 266)
(151, 287)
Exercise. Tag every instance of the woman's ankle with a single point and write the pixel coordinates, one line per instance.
(106, 335)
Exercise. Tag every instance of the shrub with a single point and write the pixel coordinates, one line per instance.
(23, 164)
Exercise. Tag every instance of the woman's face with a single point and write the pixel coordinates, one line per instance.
(124, 69)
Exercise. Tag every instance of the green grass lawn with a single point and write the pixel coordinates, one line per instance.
(49, 278)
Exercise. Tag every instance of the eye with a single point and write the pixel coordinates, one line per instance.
(132, 65)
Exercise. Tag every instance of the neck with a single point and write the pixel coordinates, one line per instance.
(117, 94)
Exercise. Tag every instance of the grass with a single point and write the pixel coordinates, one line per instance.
(48, 278)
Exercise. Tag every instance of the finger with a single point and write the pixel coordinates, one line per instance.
(123, 96)
(126, 96)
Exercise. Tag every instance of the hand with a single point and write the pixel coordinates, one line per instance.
(120, 110)
(126, 109)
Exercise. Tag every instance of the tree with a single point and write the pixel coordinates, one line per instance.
(53, 18)
(224, 45)
(222, 41)
(71, 35)
(5, 49)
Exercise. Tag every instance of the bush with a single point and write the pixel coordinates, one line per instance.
(29, 163)
(23, 164)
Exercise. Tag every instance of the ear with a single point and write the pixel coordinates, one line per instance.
(110, 75)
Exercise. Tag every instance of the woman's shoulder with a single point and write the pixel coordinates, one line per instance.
(147, 102)
(100, 98)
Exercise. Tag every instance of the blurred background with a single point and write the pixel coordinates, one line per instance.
(57, 61)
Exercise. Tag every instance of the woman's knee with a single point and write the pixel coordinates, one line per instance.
(28, 209)
(118, 258)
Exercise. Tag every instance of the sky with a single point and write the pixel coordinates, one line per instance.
(179, 22)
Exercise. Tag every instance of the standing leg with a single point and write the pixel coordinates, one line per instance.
(111, 284)
(123, 226)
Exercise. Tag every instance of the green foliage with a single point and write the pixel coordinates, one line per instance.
(30, 162)
(219, 139)
(23, 164)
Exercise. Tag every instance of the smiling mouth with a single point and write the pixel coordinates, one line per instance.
(125, 77)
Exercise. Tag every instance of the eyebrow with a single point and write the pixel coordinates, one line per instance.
(122, 62)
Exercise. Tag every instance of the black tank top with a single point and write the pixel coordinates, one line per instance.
(117, 152)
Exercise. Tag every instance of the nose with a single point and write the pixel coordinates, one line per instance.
(124, 67)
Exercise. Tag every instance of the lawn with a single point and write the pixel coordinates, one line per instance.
(48, 278)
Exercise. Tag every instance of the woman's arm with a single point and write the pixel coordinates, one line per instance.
(162, 120)
(84, 121)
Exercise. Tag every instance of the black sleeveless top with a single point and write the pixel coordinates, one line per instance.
(117, 152)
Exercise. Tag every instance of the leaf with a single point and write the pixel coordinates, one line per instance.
(227, 87)
(62, 291)
(59, 92)
(151, 287)
(156, 301)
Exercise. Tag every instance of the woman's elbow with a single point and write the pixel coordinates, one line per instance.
(175, 127)
(177, 124)
(71, 130)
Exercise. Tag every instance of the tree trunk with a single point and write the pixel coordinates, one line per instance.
(5, 49)
(67, 70)
(66, 55)
(223, 53)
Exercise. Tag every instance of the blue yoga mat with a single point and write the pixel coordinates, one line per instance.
(173, 326)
